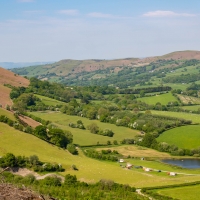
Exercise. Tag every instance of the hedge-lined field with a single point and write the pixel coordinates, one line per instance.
(164, 99)
(183, 193)
(89, 170)
(49, 101)
(84, 137)
(188, 116)
(186, 137)
(137, 151)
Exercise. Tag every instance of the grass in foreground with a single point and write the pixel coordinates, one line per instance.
(183, 193)
(7, 114)
(89, 170)
(84, 137)
(184, 137)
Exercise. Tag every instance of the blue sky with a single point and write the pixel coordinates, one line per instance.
(51, 30)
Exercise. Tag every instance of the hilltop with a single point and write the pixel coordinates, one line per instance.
(10, 65)
(121, 73)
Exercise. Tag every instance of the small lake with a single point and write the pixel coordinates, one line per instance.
(184, 163)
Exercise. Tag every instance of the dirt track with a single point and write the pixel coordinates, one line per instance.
(24, 172)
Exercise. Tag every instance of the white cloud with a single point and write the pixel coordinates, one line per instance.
(166, 13)
(69, 12)
(101, 15)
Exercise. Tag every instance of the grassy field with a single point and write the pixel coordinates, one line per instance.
(183, 193)
(177, 85)
(90, 170)
(138, 151)
(163, 99)
(84, 137)
(7, 114)
(157, 82)
(48, 101)
(192, 108)
(188, 116)
(183, 137)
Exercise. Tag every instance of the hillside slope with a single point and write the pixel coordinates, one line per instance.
(108, 72)
(8, 77)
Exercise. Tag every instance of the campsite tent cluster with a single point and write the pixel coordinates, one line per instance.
(146, 169)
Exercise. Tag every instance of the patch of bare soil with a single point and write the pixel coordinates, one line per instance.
(23, 172)
(10, 192)
(5, 96)
(8, 77)
(29, 121)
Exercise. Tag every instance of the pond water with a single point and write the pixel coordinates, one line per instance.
(184, 163)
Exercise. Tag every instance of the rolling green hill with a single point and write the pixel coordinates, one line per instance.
(164, 99)
(7, 114)
(90, 170)
(184, 137)
(122, 73)
(84, 137)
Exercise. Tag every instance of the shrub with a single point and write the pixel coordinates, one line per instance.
(52, 181)
(72, 149)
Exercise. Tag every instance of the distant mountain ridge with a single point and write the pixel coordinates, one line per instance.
(77, 72)
(10, 65)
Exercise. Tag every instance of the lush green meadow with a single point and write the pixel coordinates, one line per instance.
(7, 114)
(157, 82)
(183, 193)
(177, 85)
(188, 116)
(164, 99)
(184, 137)
(89, 170)
(84, 137)
(49, 101)
(192, 108)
